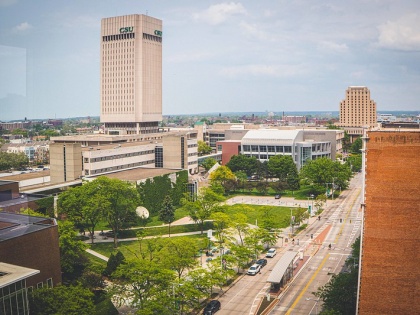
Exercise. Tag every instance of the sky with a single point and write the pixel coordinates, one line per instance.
(218, 56)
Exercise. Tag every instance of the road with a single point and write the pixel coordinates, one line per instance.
(339, 226)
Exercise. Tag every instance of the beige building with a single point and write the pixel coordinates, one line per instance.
(131, 74)
(357, 111)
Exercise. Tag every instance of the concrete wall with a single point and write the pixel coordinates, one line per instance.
(390, 273)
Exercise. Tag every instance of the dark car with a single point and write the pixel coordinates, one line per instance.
(212, 307)
(277, 196)
(262, 262)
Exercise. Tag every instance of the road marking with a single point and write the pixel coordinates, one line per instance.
(307, 285)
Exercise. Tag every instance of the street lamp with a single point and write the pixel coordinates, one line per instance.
(291, 222)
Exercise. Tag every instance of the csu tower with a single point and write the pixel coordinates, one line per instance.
(131, 74)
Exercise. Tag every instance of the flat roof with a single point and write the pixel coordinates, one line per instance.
(272, 134)
(12, 273)
(14, 225)
(280, 268)
(136, 174)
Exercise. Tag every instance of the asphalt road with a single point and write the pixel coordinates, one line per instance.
(341, 226)
(245, 296)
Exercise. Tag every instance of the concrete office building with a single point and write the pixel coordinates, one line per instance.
(357, 111)
(131, 74)
(389, 269)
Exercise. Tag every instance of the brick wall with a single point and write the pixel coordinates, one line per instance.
(390, 277)
(37, 250)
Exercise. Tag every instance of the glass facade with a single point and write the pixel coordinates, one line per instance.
(14, 299)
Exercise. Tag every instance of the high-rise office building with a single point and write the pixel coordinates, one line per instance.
(357, 111)
(131, 74)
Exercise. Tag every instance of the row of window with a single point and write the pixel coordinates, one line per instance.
(152, 37)
(119, 167)
(267, 148)
(109, 38)
(118, 156)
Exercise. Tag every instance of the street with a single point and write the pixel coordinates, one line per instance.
(339, 226)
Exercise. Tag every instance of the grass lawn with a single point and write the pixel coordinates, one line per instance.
(130, 248)
(256, 213)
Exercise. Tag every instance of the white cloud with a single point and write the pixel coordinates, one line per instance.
(5, 3)
(327, 46)
(402, 34)
(219, 13)
(22, 27)
(264, 70)
(253, 30)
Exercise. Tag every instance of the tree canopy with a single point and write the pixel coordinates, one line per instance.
(249, 165)
(203, 148)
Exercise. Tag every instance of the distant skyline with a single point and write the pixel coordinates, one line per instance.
(218, 56)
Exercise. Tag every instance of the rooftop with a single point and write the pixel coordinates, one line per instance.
(11, 273)
(14, 225)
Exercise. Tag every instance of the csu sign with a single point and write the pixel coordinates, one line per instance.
(158, 33)
(128, 29)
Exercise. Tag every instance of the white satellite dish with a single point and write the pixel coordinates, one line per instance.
(142, 212)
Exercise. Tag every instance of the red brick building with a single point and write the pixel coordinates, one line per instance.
(229, 148)
(31, 242)
(390, 261)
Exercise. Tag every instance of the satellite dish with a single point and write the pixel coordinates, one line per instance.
(142, 212)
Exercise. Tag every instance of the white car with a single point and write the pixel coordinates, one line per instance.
(254, 269)
(271, 253)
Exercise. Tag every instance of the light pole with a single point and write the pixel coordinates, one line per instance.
(291, 222)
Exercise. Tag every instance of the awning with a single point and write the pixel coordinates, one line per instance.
(280, 268)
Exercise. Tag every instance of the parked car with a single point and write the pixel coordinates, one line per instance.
(271, 253)
(277, 196)
(212, 307)
(254, 269)
(262, 262)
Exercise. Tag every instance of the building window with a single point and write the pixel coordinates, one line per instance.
(39, 285)
(49, 283)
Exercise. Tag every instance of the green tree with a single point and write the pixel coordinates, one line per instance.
(322, 172)
(221, 222)
(356, 146)
(113, 263)
(354, 161)
(284, 169)
(13, 161)
(249, 165)
(239, 222)
(122, 200)
(151, 192)
(208, 163)
(202, 205)
(346, 142)
(167, 212)
(179, 254)
(203, 148)
(146, 285)
(84, 205)
(72, 251)
(61, 300)
(222, 175)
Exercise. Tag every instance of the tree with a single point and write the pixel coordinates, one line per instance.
(72, 251)
(179, 254)
(13, 161)
(222, 175)
(356, 146)
(239, 222)
(113, 262)
(284, 169)
(203, 148)
(249, 165)
(208, 163)
(84, 205)
(122, 200)
(201, 206)
(354, 161)
(346, 142)
(62, 300)
(221, 222)
(322, 172)
(167, 213)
